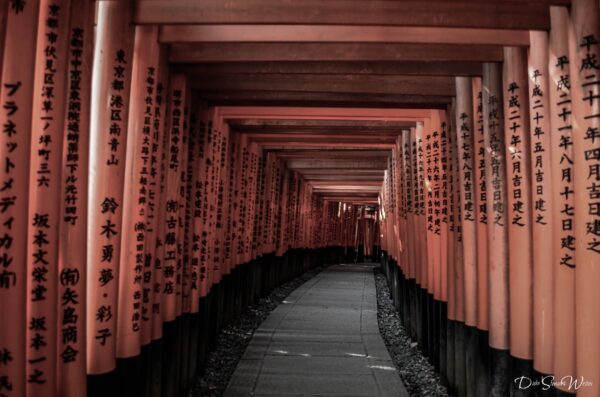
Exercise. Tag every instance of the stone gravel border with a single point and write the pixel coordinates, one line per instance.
(234, 338)
(417, 373)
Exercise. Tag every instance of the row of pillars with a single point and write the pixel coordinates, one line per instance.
(493, 208)
(125, 204)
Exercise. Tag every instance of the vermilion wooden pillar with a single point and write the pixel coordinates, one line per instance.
(420, 191)
(516, 138)
(499, 338)
(156, 248)
(181, 282)
(585, 94)
(466, 172)
(72, 250)
(16, 94)
(480, 197)
(178, 92)
(49, 98)
(542, 207)
(564, 260)
(113, 58)
(135, 202)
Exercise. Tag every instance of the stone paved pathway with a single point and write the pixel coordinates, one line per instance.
(323, 340)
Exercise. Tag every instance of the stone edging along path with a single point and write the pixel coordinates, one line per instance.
(418, 375)
(234, 339)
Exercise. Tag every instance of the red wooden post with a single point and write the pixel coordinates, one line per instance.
(111, 84)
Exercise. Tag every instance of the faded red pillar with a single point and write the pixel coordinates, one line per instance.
(136, 184)
(178, 92)
(496, 209)
(542, 208)
(446, 185)
(516, 138)
(466, 170)
(49, 98)
(16, 95)
(563, 236)
(113, 60)
(182, 266)
(420, 191)
(156, 249)
(585, 94)
(72, 239)
(480, 207)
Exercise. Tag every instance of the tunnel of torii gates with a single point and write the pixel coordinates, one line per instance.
(164, 163)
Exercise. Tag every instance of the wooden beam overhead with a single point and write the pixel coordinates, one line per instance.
(248, 52)
(432, 68)
(350, 164)
(339, 34)
(327, 145)
(322, 99)
(390, 85)
(327, 125)
(337, 154)
(530, 15)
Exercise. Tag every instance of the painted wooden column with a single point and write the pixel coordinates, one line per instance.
(113, 58)
(157, 248)
(182, 266)
(407, 201)
(174, 161)
(446, 186)
(72, 242)
(202, 193)
(516, 138)
(466, 171)
(563, 235)
(585, 94)
(49, 98)
(497, 224)
(480, 206)
(3, 18)
(136, 184)
(542, 208)
(420, 191)
(16, 95)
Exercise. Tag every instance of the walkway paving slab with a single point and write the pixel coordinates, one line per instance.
(323, 340)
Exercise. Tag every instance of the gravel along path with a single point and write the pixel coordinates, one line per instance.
(416, 372)
(234, 338)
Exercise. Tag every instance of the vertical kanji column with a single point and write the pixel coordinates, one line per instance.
(497, 224)
(465, 147)
(156, 216)
(516, 138)
(135, 202)
(480, 206)
(563, 236)
(542, 208)
(72, 243)
(16, 95)
(113, 58)
(175, 153)
(585, 94)
(44, 198)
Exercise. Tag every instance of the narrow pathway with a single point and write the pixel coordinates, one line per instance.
(323, 340)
